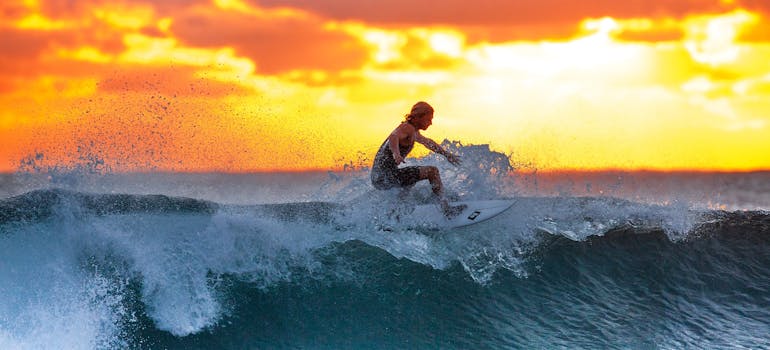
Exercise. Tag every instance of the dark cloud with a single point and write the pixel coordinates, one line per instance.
(12, 10)
(26, 54)
(499, 21)
(62, 9)
(493, 12)
(19, 44)
(275, 45)
(20, 52)
(755, 5)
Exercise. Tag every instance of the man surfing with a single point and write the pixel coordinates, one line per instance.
(385, 171)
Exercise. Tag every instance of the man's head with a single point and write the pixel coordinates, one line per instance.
(421, 115)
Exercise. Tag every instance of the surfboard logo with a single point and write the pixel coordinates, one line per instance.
(474, 215)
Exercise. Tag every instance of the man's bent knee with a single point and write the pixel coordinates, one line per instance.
(429, 172)
(433, 172)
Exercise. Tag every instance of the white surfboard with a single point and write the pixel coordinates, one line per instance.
(477, 211)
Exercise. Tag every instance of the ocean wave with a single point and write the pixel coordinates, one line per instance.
(158, 271)
(575, 218)
(41, 204)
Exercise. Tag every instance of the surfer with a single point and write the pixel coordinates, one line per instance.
(385, 171)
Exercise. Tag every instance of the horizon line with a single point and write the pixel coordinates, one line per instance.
(524, 171)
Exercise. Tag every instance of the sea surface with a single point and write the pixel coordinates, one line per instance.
(603, 260)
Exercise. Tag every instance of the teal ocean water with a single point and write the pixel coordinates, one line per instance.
(299, 261)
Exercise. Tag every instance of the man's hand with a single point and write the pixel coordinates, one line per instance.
(453, 159)
(398, 158)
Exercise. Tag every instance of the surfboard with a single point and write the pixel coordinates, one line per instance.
(475, 212)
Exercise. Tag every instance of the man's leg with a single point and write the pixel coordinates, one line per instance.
(431, 173)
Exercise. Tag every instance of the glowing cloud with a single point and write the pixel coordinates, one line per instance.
(712, 39)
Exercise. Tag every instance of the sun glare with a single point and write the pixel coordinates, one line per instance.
(602, 27)
(449, 43)
(711, 39)
(387, 44)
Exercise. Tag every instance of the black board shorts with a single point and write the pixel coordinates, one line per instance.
(398, 177)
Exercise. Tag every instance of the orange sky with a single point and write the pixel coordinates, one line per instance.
(246, 85)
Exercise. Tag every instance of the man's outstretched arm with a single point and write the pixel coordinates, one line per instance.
(435, 147)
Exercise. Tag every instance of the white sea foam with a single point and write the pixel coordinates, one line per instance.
(49, 299)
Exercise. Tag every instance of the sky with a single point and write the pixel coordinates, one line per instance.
(290, 85)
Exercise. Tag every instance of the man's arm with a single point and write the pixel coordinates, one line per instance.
(393, 142)
(435, 147)
(430, 144)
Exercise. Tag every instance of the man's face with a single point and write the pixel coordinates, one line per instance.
(425, 121)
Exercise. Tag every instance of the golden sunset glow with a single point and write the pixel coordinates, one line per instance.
(246, 85)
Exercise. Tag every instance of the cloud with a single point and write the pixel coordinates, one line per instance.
(501, 21)
(68, 9)
(276, 45)
(755, 5)
(72, 40)
(485, 12)
(32, 42)
(19, 48)
(496, 21)
(30, 54)
(411, 49)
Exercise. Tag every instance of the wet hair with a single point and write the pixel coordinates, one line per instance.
(418, 110)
